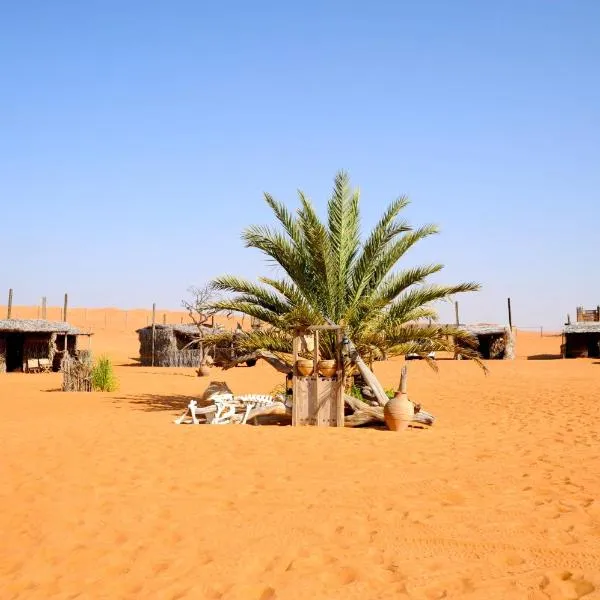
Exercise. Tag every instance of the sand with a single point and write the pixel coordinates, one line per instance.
(103, 497)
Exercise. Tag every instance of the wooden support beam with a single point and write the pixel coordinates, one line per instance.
(10, 300)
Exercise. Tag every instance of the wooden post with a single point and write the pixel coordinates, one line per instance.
(317, 399)
(65, 308)
(341, 379)
(9, 308)
(164, 318)
(44, 304)
(509, 315)
(456, 313)
(295, 392)
(153, 330)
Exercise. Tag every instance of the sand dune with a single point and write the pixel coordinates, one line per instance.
(103, 497)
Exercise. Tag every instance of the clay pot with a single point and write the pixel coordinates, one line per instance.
(305, 367)
(327, 368)
(398, 412)
(203, 371)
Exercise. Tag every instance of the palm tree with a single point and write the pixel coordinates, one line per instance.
(326, 273)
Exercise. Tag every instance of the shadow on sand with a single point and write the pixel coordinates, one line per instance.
(157, 402)
(544, 357)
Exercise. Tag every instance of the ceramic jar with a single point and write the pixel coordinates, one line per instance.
(398, 412)
(305, 367)
(327, 368)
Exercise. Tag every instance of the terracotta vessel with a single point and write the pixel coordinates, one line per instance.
(203, 371)
(327, 368)
(305, 367)
(398, 412)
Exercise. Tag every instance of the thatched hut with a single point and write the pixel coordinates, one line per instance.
(22, 340)
(174, 345)
(495, 342)
(581, 340)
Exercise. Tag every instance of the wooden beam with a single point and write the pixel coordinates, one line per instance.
(10, 300)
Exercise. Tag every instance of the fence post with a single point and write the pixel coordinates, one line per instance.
(153, 330)
(9, 308)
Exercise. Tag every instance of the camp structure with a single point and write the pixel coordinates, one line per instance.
(25, 341)
(174, 345)
(494, 342)
(581, 340)
(584, 316)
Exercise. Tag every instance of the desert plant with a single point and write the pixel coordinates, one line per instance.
(330, 275)
(103, 376)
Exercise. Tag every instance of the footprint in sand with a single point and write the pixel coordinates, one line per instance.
(565, 585)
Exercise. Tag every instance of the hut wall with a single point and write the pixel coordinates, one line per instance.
(36, 345)
(495, 345)
(178, 358)
(167, 349)
(582, 345)
(2, 354)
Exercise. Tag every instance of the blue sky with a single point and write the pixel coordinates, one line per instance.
(136, 139)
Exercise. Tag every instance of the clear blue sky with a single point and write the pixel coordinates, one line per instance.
(136, 139)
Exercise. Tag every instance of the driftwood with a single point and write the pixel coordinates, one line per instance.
(361, 412)
(367, 374)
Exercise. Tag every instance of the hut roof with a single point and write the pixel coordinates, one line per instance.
(38, 326)
(185, 329)
(583, 327)
(485, 329)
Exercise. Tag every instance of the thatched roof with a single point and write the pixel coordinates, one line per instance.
(38, 326)
(185, 329)
(583, 327)
(485, 329)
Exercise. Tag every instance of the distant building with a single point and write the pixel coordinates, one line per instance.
(24, 340)
(581, 340)
(494, 342)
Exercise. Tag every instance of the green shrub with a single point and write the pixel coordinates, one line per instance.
(103, 376)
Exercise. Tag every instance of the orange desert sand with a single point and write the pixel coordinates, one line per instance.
(103, 497)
